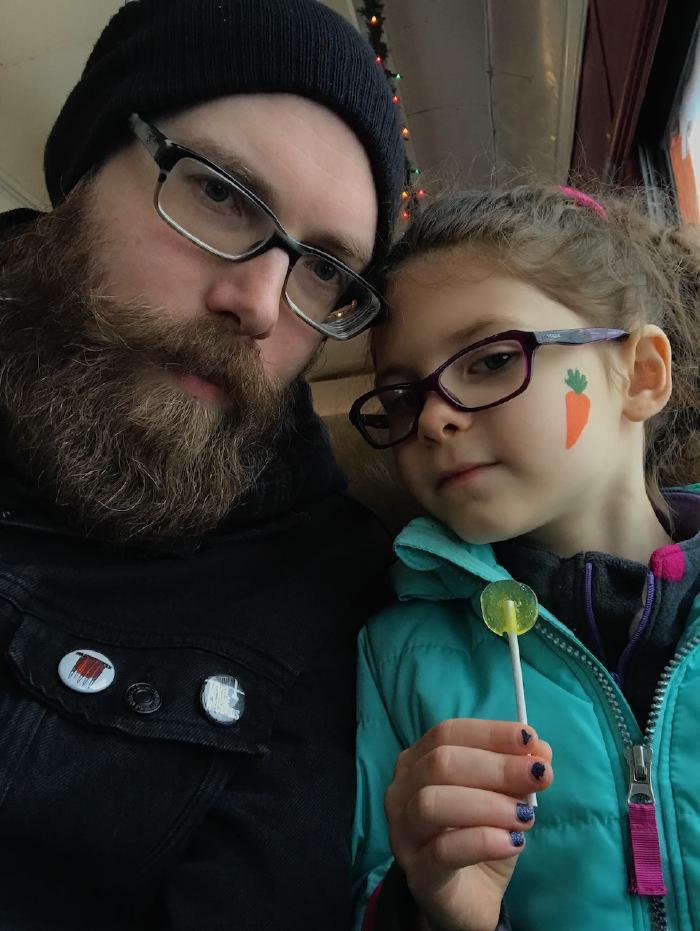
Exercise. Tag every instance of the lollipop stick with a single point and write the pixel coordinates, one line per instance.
(520, 707)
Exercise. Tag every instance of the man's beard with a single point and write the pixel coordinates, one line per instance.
(96, 421)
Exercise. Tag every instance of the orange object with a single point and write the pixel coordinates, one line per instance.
(578, 406)
(685, 181)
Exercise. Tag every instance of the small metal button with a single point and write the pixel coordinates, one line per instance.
(223, 700)
(143, 698)
(86, 671)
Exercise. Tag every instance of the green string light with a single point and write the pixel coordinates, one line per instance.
(373, 12)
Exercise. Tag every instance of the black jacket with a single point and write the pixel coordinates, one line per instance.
(118, 816)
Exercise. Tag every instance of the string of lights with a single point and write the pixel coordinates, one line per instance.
(373, 13)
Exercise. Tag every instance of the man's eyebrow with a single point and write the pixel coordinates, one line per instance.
(233, 165)
(342, 247)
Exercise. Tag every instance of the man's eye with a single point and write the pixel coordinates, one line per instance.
(324, 271)
(216, 191)
(219, 193)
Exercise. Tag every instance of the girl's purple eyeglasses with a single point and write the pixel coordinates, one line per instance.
(484, 375)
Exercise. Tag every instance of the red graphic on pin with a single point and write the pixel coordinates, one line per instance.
(86, 671)
(88, 668)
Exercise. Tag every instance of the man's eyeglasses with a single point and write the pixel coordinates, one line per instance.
(483, 375)
(220, 215)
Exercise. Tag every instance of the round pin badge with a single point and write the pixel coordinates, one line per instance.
(223, 699)
(86, 671)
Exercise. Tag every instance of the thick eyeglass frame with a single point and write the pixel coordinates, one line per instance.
(167, 153)
(529, 340)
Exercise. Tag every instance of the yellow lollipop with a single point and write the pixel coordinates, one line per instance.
(510, 608)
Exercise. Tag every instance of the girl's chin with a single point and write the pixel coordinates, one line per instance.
(478, 532)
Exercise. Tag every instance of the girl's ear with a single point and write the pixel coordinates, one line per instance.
(648, 354)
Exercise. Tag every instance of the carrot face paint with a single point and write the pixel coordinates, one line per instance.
(578, 406)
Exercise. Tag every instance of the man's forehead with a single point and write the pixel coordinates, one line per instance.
(280, 161)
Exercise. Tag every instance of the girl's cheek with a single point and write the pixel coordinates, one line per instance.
(533, 423)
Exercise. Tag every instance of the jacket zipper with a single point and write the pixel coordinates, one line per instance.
(639, 756)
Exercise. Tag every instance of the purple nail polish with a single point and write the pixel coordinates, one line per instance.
(524, 813)
(537, 770)
(527, 737)
(517, 838)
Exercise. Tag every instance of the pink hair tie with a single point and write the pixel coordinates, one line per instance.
(584, 200)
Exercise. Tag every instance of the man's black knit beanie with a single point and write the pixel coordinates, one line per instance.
(159, 56)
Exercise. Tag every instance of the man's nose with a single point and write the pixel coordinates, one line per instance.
(439, 419)
(251, 292)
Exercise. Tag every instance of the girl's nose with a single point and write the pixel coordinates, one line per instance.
(251, 292)
(440, 419)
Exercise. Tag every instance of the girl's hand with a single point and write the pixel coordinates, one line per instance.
(456, 816)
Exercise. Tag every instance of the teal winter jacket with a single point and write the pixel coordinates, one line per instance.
(430, 657)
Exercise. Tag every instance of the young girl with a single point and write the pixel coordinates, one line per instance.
(523, 382)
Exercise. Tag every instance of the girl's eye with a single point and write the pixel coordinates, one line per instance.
(398, 402)
(494, 362)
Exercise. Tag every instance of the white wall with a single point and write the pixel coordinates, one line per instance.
(7, 202)
(43, 47)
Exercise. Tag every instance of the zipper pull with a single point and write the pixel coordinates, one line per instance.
(646, 874)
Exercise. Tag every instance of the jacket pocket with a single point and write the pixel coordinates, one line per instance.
(174, 674)
(109, 782)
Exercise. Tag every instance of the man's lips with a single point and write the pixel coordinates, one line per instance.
(199, 387)
(462, 473)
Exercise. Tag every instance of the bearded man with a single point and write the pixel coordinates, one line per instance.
(181, 574)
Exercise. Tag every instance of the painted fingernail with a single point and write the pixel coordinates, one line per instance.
(537, 770)
(527, 736)
(524, 813)
(517, 838)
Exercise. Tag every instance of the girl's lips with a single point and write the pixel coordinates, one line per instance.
(463, 474)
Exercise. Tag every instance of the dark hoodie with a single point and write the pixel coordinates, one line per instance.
(631, 616)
